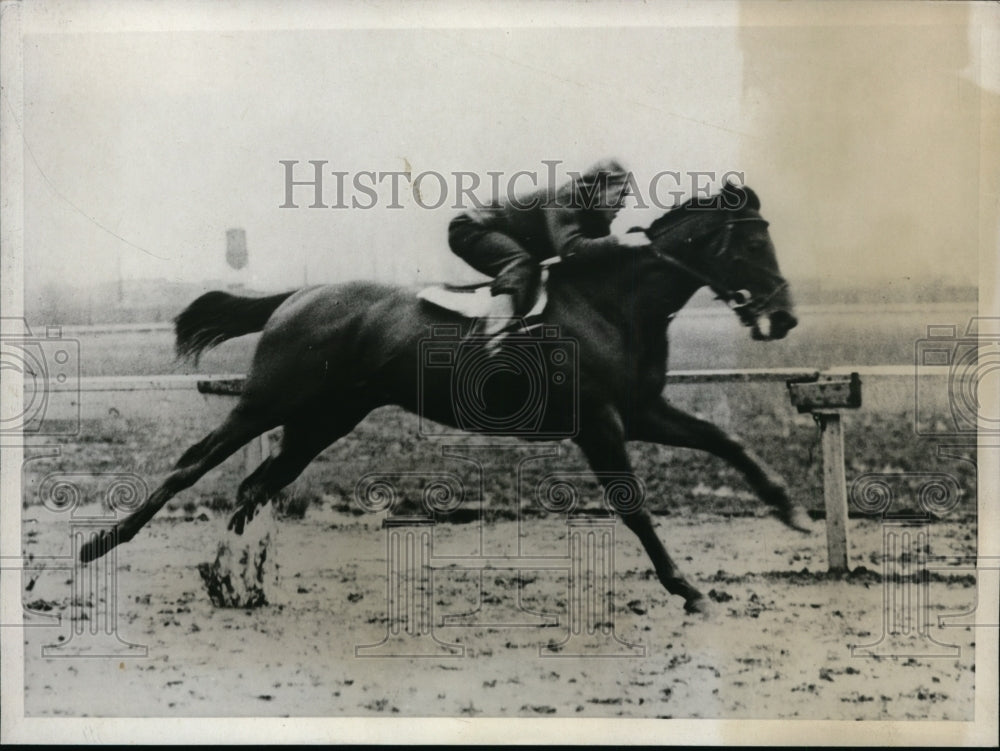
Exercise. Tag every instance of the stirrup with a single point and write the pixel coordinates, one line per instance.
(514, 325)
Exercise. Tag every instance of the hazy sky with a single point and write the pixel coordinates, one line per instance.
(141, 149)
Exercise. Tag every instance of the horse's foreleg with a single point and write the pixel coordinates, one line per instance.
(239, 427)
(664, 424)
(603, 443)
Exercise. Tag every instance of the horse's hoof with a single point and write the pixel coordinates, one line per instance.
(797, 518)
(239, 520)
(697, 605)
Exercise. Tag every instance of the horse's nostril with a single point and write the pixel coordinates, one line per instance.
(782, 322)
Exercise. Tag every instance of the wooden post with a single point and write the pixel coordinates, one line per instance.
(834, 488)
(824, 395)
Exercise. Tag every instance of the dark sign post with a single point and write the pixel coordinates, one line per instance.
(824, 396)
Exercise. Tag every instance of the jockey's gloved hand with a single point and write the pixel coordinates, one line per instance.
(633, 239)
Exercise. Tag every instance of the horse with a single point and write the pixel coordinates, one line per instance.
(328, 355)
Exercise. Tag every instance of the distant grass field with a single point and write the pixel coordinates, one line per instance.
(700, 339)
(677, 480)
(879, 438)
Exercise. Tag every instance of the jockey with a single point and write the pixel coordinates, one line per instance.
(508, 240)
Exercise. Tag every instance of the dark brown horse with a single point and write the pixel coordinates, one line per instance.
(329, 355)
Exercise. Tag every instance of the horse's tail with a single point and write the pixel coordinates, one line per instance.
(217, 316)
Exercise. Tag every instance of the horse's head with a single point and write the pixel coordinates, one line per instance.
(724, 243)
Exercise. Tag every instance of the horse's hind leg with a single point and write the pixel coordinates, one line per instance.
(603, 443)
(301, 442)
(242, 424)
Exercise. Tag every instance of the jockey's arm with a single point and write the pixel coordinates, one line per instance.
(568, 239)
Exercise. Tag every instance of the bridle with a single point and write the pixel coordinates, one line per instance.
(741, 301)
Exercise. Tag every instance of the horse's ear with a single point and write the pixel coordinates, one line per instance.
(736, 197)
(733, 197)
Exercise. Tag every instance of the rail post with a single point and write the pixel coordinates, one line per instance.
(824, 396)
(834, 487)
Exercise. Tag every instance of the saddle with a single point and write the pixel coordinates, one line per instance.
(475, 301)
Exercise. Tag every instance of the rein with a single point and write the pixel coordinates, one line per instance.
(739, 300)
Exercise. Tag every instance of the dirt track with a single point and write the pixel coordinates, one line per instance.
(776, 645)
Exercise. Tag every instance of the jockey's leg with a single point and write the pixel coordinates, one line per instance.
(514, 270)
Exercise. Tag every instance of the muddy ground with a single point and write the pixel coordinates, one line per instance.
(776, 644)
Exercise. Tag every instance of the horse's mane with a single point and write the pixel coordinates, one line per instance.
(730, 198)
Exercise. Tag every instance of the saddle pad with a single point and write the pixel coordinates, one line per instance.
(473, 304)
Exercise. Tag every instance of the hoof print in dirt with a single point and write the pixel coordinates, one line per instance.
(236, 579)
(719, 595)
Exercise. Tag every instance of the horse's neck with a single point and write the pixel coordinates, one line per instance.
(660, 292)
(637, 294)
